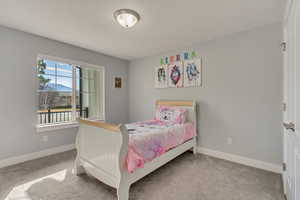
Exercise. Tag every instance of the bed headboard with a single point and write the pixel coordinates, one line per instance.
(190, 105)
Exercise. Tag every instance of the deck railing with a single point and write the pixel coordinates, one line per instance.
(60, 115)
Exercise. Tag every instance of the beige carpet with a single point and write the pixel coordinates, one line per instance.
(187, 177)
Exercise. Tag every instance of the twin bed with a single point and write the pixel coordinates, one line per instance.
(119, 155)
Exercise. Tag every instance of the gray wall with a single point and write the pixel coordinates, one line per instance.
(18, 51)
(241, 95)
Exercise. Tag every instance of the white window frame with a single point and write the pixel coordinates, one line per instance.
(74, 122)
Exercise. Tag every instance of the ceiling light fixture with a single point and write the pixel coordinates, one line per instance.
(126, 17)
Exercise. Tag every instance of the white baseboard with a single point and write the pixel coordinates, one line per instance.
(35, 155)
(218, 154)
(242, 160)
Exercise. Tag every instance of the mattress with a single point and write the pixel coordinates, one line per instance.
(150, 139)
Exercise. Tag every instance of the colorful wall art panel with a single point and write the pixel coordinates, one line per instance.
(161, 76)
(192, 73)
(175, 75)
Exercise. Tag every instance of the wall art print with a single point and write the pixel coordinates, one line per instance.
(175, 75)
(161, 76)
(192, 73)
(117, 82)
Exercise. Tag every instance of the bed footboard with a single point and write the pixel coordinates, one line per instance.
(101, 151)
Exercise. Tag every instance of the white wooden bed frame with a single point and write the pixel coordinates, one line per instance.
(102, 150)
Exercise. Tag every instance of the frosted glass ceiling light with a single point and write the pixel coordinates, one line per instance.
(126, 17)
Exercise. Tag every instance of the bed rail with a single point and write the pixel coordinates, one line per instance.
(99, 124)
(174, 103)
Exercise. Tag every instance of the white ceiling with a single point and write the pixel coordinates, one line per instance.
(165, 25)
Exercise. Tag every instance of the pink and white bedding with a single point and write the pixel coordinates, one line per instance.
(150, 139)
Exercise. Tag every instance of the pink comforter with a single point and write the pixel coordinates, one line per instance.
(150, 139)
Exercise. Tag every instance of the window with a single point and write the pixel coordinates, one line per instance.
(68, 90)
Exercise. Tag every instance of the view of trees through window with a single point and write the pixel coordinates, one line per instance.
(69, 91)
(55, 92)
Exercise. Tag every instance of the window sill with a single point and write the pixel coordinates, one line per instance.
(54, 127)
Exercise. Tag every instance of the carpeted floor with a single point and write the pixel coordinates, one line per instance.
(187, 177)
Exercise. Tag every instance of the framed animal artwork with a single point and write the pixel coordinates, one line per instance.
(161, 74)
(192, 73)
(175, 75)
